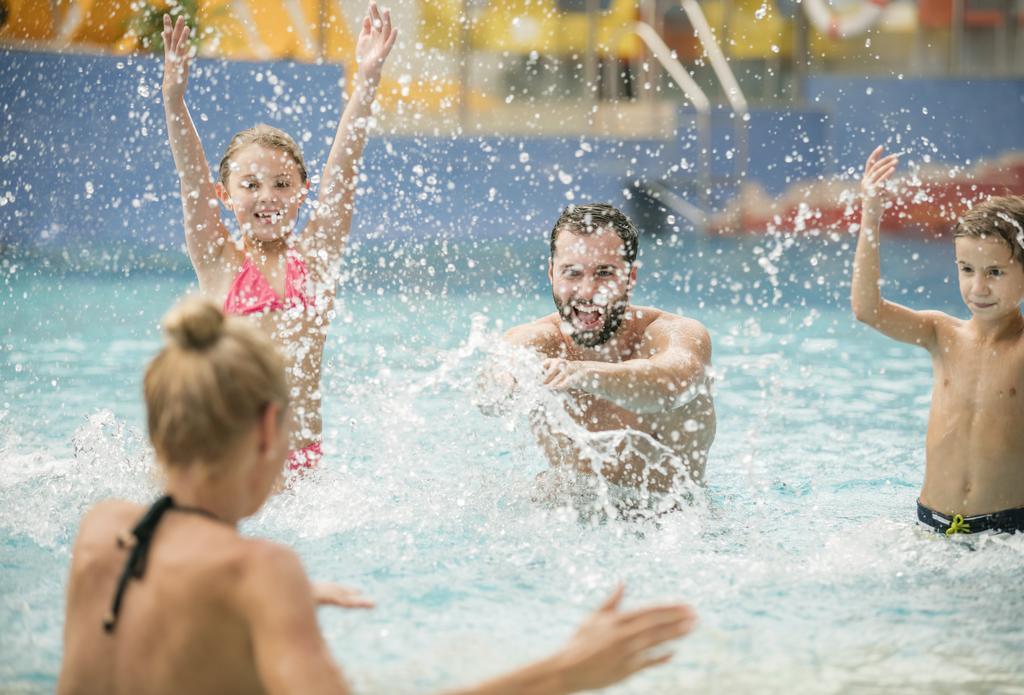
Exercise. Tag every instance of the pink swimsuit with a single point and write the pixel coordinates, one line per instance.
(250, 293)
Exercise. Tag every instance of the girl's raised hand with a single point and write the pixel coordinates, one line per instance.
(374, 44)
(177, 54)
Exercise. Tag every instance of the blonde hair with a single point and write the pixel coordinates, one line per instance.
(210, 383)
(265, 136)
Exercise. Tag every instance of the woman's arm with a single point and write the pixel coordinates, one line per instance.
(280, 609)
(609, 647)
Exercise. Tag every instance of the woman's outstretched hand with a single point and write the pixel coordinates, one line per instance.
(613, 644)
(328, 594)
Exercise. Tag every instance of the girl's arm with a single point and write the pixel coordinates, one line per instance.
(205, 233)
(896, 321)
(324, 239)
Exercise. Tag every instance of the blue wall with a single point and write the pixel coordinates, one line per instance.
(958, 121)
(85, 167)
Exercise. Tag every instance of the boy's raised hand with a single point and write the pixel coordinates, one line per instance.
(877, 171)
(376, 38)
(176, 57)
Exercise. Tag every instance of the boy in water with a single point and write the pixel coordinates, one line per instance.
(974, 451)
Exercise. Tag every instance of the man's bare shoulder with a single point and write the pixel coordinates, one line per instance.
(662, 326)
(543, 335)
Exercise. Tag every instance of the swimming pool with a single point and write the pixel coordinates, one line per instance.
(803, 561)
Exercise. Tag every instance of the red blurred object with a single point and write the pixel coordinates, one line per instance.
(928, 207)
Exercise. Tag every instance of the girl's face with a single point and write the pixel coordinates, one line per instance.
(265, 191)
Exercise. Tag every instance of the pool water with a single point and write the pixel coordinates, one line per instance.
(803, 558)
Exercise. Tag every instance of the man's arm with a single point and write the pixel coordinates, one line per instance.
(896, 321)
(675, 371)
(497, 385)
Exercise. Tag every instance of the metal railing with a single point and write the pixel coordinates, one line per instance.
(660, 51)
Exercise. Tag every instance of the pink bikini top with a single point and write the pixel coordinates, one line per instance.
(250, 293)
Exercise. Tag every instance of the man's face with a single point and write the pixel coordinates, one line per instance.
(590, 283)
(991, 281)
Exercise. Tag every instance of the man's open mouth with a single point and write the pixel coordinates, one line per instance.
(587, 317)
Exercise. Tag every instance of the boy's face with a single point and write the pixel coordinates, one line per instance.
(991, 281)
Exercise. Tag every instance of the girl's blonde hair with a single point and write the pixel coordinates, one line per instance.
(210, 383)
(265, 136)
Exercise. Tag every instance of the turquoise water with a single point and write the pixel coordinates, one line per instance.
(803, 559)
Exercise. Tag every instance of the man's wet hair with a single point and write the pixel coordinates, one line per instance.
(1001, 217)
(587, 219)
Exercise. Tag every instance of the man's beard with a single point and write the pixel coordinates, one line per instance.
(614, 312)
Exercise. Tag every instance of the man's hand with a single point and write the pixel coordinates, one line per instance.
(562, 375)
(373, 46)
(495, 391)
(328, 594)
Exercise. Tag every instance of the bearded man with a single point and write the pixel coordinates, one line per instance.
(640, 411)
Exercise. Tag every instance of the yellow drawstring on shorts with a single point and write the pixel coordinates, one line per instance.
(958, 526)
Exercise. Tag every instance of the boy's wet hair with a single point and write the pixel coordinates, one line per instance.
(587, 219)
(265, 136)
(1002, 217)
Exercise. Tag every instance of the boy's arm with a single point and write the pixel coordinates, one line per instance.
(205, 234)
(324, 239)
(674, 373)
(896, 321)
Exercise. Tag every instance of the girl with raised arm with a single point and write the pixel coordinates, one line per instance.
(284, 281)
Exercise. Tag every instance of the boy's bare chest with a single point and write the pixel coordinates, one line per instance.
(980, 378)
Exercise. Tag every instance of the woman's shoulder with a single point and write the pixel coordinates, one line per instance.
(108, 518)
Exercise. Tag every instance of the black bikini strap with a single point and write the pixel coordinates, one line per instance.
(142, 537)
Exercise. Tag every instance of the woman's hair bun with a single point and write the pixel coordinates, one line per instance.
(194, 324)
